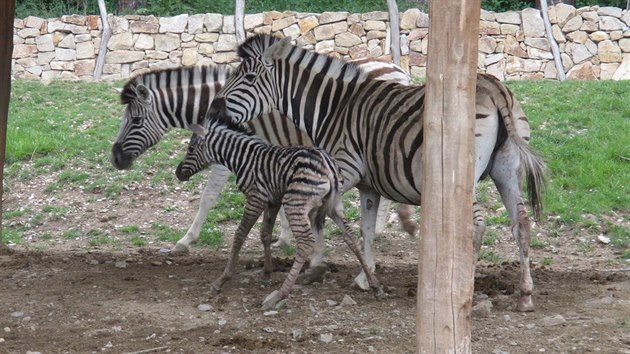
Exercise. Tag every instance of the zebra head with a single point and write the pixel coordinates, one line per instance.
(139, 128)
(252, 90)
(197, 157)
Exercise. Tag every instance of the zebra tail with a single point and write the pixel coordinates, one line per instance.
(534, 168)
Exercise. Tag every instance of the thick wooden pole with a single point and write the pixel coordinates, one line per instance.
(7, 12)
(445, 265)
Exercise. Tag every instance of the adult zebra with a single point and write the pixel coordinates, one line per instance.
(177, 98)
(373, 129)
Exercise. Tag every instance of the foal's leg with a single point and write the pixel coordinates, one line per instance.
(251, 214)
(269, 219)
(301, 228)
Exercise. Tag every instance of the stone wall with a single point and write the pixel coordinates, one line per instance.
(594, 42)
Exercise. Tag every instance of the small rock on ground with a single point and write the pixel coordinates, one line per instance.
(551, 321)
(326, 337)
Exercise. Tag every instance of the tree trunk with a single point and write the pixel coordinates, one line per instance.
(445, 262)
(107, 32)
(7, 13)
(394, 31)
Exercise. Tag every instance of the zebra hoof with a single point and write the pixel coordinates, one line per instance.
(214, 290)
(525, 303)
(361, 282)
(316, 274)
(272, 300)
(180, 248)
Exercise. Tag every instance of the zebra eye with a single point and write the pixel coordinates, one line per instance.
(136, 120)
(249, 78)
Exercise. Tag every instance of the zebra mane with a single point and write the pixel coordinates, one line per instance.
(255, 46)
(129, 93)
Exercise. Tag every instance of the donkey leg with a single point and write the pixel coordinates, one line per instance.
(251, 214)
(218, 177)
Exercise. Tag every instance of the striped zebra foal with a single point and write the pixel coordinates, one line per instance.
(304, 180)
(374, 130)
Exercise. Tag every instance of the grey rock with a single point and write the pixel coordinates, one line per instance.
(297, 333)
(552, 321)
(17, 314)
(204, 307)
(326, 337)
(348, 301)
(120, 264)
(482, 309)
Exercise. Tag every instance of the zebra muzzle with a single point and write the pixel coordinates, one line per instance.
(182, 175)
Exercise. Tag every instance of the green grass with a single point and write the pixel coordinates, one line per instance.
(11, 236)
(138, 241)
(165, 232)
(64, 130)
(210, 237)
(489, 256)
(129, 229)
(581, 129)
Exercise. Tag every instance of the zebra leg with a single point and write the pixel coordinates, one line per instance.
(250, 216)
(285, 231)
(352, 242)
(381, 215)
(218, 177)
(405, 211)
(302, 229)
(505, 174)
(369, 207)
(479, 228)
(269, 219)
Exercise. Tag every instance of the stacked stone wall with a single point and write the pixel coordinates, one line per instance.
(594, 42)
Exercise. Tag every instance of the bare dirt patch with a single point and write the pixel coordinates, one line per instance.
(67, 295)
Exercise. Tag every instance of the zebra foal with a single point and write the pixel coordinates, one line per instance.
(303, 180)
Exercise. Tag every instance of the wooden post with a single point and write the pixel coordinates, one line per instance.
(7, 13)
(394, 31)
(239, 21)
(107, 32)
(552, 42)
(445, 265)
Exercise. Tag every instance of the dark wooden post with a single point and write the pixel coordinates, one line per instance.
(7, 13)
(445, 265)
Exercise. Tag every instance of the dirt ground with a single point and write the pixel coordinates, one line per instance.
(67, 296)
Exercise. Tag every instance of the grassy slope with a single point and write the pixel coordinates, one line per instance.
(66, 128)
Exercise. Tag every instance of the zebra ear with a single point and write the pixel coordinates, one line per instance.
(119, 90)
(275, 51)
(143, 93)
(200, 130)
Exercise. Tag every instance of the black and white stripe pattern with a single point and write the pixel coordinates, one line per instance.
(374, 129)
(177, 98)
(304, 180)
